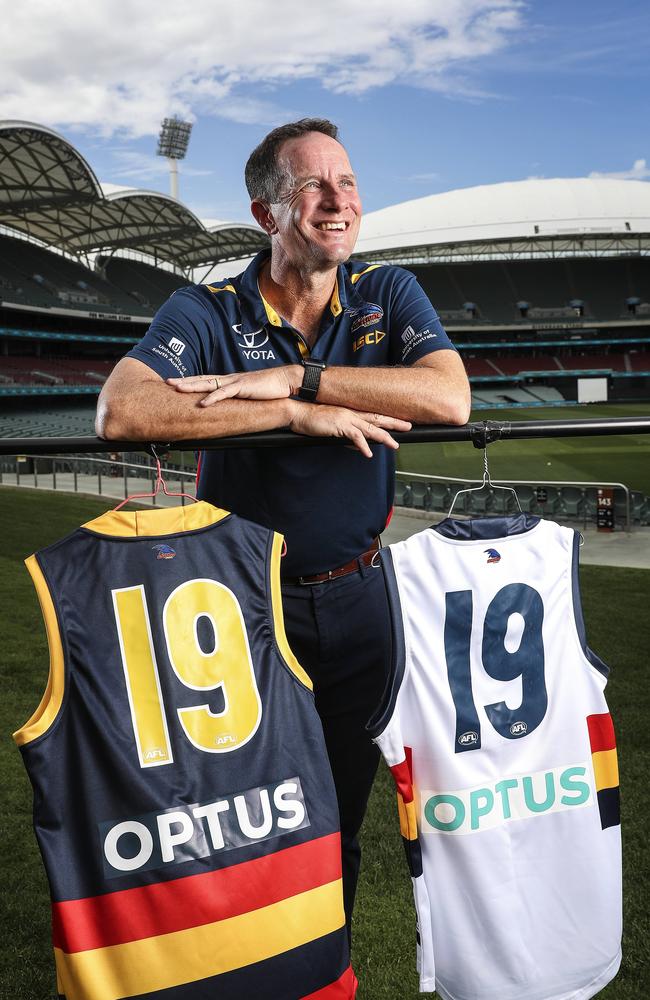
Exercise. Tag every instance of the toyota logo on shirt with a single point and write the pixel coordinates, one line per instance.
(253, 340)
(251, 344)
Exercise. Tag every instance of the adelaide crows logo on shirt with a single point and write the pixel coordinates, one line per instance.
(164, 551)
(366, 315)
(493, 555)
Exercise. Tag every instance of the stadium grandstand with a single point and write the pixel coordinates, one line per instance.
(544, 285)
(83, 269)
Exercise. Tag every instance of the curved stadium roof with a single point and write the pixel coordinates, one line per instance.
(50, 193)
(559, 215)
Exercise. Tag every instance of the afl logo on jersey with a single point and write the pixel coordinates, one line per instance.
(468, 739)
(493, 555)
(164, 551)
(518, 729)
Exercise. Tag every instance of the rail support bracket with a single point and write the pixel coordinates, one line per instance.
(485, 433)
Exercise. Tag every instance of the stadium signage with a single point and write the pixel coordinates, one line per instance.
(119, 316)
(605, 510)
(186, 832)
(474, 810)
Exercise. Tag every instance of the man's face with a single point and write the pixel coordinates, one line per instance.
(318, 213)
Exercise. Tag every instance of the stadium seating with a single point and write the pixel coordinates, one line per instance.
(147, 285)
(567, 503)
(39, 277)
(43, 371)
(564, 503)
(545, 393)
(55, 421)
(573, 498)
(508, 394)
(548, 286)
(513, 364)
(638, 361)
(587, 361)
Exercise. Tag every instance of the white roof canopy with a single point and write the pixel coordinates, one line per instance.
(50, 193)
(565, 210)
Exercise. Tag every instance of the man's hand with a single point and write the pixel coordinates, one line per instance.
(268, 383)
(317, 420)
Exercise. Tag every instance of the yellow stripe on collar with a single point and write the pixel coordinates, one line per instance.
(355, 277)
(335, 301)
(273, 317)
(165, 521)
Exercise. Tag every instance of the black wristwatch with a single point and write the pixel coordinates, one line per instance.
(311, 379)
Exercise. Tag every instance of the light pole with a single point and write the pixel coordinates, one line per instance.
(173, 142)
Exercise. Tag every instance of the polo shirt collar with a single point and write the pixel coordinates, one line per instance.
(257, 312)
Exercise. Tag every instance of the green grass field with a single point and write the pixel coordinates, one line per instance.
(616, 609)
(622, 459)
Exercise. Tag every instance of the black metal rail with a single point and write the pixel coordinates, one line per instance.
(480, 434)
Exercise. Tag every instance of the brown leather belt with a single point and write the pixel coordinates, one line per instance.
(365, 559)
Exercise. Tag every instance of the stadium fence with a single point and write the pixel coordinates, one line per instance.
(71, 458)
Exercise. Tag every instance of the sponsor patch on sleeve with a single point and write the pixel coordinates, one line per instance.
(171, 353)
(412, 339)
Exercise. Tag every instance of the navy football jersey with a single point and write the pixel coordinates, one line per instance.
(183, 800)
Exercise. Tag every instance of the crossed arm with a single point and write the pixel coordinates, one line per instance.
(360, 404)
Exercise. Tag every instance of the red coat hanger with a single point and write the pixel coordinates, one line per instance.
(158, 485)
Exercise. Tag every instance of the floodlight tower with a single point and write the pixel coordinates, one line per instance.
(173, 142)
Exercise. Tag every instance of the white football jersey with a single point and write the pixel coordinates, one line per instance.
(496, 729)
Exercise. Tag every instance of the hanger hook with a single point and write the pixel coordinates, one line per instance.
(154, 445)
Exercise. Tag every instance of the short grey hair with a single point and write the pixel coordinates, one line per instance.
(262, 174)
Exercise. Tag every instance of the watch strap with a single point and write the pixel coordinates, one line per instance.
(311, 380)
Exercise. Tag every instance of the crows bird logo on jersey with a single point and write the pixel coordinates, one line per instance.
(493, 555)
(164, 551)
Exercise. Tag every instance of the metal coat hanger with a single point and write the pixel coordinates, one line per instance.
(482, 434)
(159, 485)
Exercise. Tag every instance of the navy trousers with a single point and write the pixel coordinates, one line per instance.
(340, 632)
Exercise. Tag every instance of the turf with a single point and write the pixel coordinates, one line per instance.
(620, 458)
(615, 601)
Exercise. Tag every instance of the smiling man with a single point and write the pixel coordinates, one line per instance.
(305, 339)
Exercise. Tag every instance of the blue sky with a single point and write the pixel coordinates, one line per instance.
(430, 95)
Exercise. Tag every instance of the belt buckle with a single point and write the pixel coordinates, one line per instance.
(315, 583)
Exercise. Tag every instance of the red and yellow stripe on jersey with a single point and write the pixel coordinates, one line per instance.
(154, 937)
(403, 777)
(602, 740)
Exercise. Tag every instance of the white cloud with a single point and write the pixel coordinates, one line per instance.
(423, 178)
(121, 66)
(141, 166)
(639, 171)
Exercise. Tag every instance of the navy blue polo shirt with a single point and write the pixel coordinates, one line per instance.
(329, 502)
